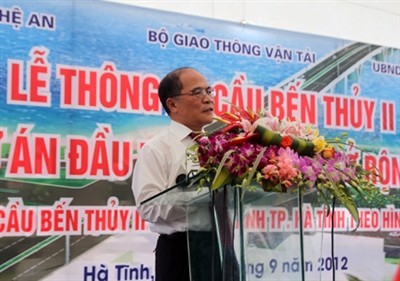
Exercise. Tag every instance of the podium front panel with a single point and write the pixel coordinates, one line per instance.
(258, 234)
(242, 235)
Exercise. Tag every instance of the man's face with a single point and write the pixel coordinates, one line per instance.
(194, 111)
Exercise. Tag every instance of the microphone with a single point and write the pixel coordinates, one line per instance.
(181, 180)
(187, 180)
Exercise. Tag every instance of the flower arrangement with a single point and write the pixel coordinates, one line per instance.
(260, 151)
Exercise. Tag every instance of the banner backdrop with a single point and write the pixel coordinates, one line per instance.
(78, 98)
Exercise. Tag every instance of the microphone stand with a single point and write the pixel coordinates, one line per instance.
(187, 182)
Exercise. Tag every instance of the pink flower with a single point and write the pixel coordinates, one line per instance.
(271, 173)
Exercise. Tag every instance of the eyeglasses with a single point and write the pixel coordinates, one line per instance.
(199, 92)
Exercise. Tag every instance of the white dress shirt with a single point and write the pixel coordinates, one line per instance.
(159, 162)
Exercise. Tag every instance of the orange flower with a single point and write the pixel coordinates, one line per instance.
(328, 152)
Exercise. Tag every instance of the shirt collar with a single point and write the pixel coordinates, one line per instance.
(179, 130)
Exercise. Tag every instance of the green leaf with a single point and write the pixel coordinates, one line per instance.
(223, 176)
(344, 197)
(253, 170)
(324, 199)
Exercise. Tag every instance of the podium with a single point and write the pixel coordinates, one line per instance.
(241, 222)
